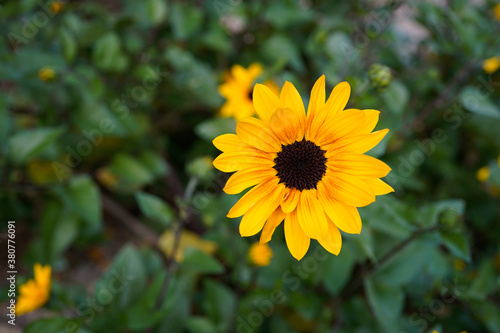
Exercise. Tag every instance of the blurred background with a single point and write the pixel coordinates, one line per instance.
(107, 112)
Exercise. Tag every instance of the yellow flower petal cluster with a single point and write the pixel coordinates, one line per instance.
(260, 254)
(491, 65)
(46, 74)
(34, 293)
(237, 90)
(308, 170)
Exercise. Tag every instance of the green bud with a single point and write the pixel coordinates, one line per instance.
(380, 76)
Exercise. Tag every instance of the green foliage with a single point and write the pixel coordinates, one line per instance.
(115, 148)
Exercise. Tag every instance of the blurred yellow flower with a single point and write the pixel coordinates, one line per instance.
(237, 90)
(498, 161)
(106, 177)
(459, 265)
(56, 7)
(187, 240)
(483, 174)
(46, 74)
(496, 11)
(35, 292)
(260, 254)
(491, 65)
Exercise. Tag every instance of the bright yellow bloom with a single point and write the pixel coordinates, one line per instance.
(34, 293)
(496, 11)
(491, 65)
(237, 89)
(46, 74)
(56, 7)
(260, 254)
(483, 174)
(309, 170)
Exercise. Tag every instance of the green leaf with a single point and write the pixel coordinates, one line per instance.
(68, 44)
(185, 20)
(107, 53)
(201, 262)
(473, 99)
(198, 324)
(385, 300)
(4, 120)
(485, 282)
(156, 10)
(396, 97)
(86, 200)
(338, 269)
(154, 208)
(457, 243)
(212, 128)
(220, 304)
(130, 171)
(153, 162)
(56, 324)
(428, 215)
(27, 144)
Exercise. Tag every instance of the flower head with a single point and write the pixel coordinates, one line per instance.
(46, 74)
(260, 254)
(55, 7)
(308, 170)
(35, 292)
(483, 174)
(491, 65)
(237, 89)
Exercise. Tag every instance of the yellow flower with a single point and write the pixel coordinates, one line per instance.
(56, 7)
(459, 265)
(491, 65)
(309, 171)
(260, 254)
(496, 11)
(46, 74)
(483, 174)
(237, 89)
(34, 293)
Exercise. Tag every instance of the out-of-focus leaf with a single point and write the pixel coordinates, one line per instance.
(154, 208)
(474, 100)
(28, 143)
(457, 243)
(185, 20)
(201, 262)
(197, 324)
(396, 97)
(85, 198)
(279, 48)
(338, 269)
(156, 10)
(154, 162)
(132, 173)
(429, 214)
(220, 304)
(212, 128)
(484, 283)
(55, 324)
(68, 44)
(385, 300)
(107, 53)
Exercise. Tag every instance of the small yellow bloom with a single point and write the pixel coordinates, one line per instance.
(483, 174)
(260, 254)
(56, 7)
(46, 74)
(237, 90)
(35, 292)
(491, 65)
(496, 11)
(106, 177)
(187, 240)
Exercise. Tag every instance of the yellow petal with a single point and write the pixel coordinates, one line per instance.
(296, 240)
(372, 117)
(245, 178)
(265, 102)
(255, 133)
(286, 124)
(272, 223)
(248, 158)
(342, 124)
(311, 216)
(378, 186)
(290, 202)
(359, 165)
(345, 217)
(356, 143)
(336, 102)
(252, 196)
(254, 219)
(290, 98)
(348, 190)
(317, 99)
(229, 143)
(332, 241)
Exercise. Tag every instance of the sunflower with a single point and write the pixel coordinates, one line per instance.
(35, 292)
(237, 89)
(309, 171)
